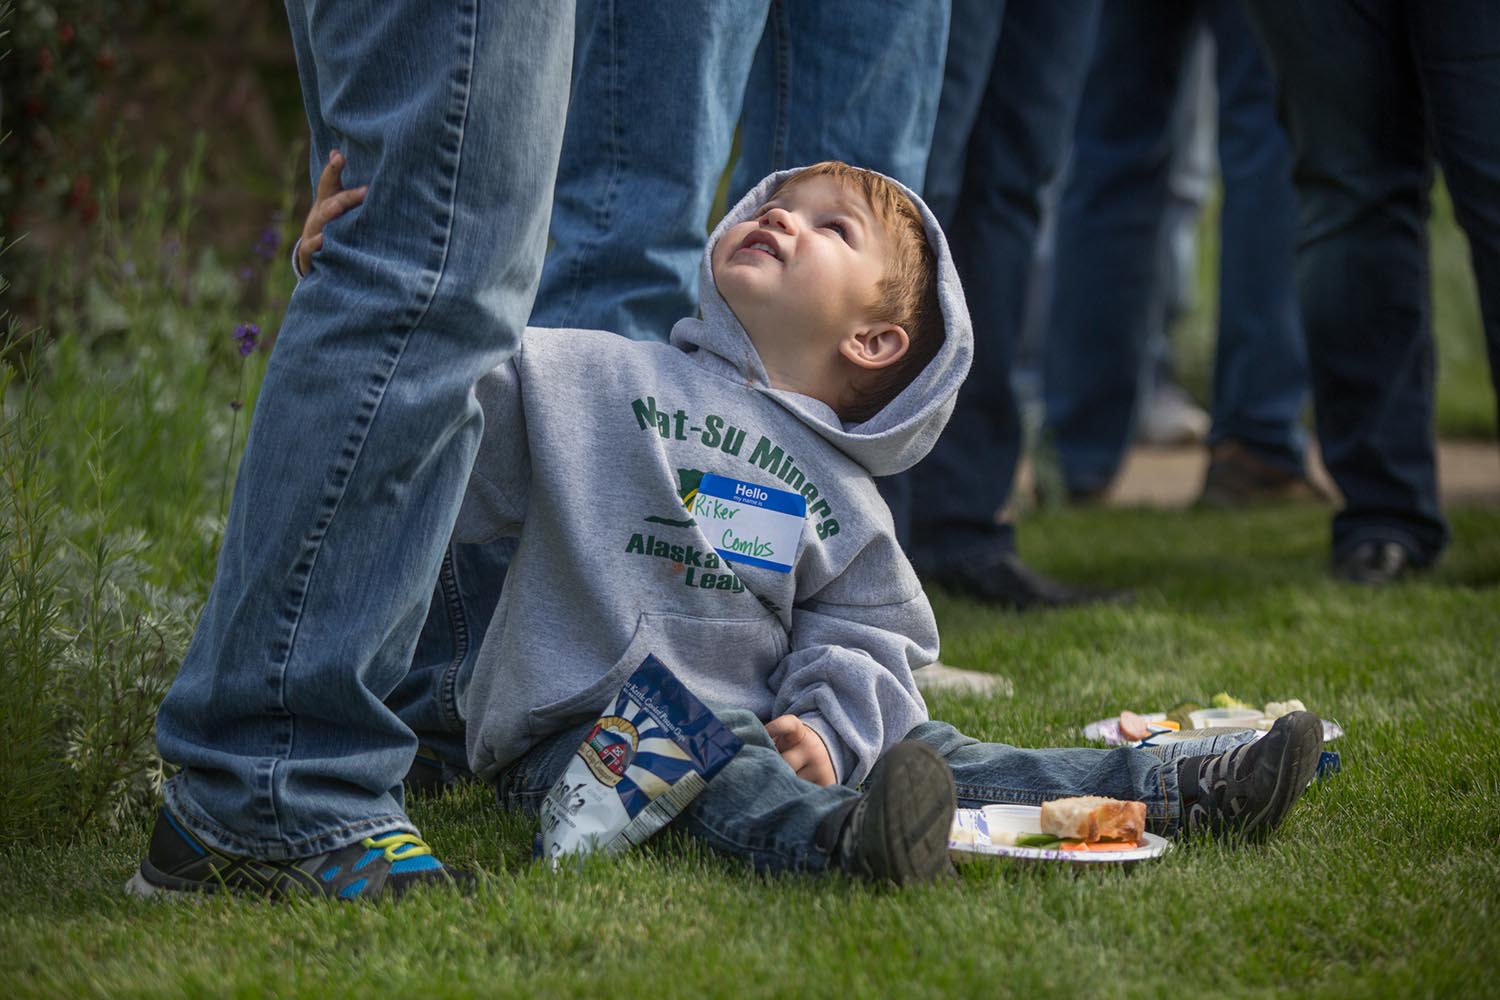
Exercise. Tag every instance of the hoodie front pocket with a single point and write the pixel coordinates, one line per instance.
(719, 659)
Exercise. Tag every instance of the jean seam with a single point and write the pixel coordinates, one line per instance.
(1034, 797)
(458, 624)
(578, 268)
(357, 435)
(780, 29)
(1019, 796)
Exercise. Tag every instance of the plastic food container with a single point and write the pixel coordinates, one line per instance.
(1225, 718)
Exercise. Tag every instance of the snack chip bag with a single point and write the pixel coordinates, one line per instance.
(650, 753)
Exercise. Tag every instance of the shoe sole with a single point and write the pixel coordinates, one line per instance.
(1295, 770)
(148, 883)
(138, 886)
(918, 814)
(142, 887)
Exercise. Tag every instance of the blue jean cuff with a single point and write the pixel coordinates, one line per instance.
(216, 835)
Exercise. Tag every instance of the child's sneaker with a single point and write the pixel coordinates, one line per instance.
(898, 829)
(390, 864)
(1247, 791)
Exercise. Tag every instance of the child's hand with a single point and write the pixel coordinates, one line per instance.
(330, 202)
(801, 747)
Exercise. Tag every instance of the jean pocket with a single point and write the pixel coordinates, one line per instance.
(719, 659)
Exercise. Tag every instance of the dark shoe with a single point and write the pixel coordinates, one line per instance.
(387, 865)
(1002, 578)
(1238, 477)
(1374, 563)
(427, 777)
(1247, 791)
(1087, 496)
(898, 829)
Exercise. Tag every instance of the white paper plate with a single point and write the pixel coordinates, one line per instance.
(970, 839)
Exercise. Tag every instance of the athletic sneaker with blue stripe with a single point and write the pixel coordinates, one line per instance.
(178, 861)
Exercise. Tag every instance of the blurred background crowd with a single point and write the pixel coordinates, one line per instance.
(1158, 305)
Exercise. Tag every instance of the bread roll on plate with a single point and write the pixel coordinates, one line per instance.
(1093, 817)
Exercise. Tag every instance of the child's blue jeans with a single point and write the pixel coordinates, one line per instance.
(757, 809)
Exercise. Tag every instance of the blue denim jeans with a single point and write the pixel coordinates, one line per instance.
(653, 118)
(366, 427)
(1109, 291)
(758, 810)
(1011, 86)
(1373, 92)
(464, 601)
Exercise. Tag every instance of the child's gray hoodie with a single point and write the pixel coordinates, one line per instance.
(591, 442)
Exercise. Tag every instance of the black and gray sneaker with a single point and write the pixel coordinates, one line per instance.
(897, 830)
(1247, 791)
(388, 865)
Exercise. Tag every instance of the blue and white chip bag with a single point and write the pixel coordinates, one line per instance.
(652, 751)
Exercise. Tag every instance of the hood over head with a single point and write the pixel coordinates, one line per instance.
(905, 430)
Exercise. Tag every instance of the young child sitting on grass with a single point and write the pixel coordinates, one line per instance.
(832, 343)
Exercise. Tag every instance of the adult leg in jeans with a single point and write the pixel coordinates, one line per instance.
(366, 425)
(1458, 60)
(834, 80)
(649, 132)
(1260, 361)
(1011, 86)
(1363, 86)
(427, 699)
(1108, 291)
(1109, 294)
(1165, 413)
(857, 82)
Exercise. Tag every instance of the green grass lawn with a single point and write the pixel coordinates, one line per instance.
(116, 454)
(1383, 881)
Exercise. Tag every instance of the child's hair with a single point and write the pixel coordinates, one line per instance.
(908, 291)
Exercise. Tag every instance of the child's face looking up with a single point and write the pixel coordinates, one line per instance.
(802, 277)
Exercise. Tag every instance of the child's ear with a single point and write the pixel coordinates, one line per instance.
(875, 346)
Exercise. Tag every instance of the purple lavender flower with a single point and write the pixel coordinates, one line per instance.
(246, 274)
(268, 244)
(248, 335)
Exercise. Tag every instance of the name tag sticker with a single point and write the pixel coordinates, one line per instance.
(750, 524)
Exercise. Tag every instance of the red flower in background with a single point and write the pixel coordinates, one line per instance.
(80, 199)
